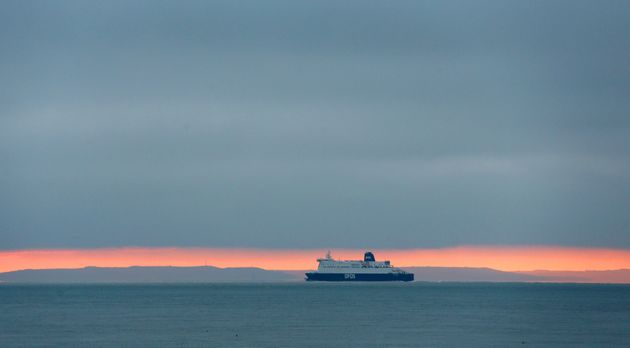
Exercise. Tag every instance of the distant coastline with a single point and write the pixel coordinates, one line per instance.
(210, 274)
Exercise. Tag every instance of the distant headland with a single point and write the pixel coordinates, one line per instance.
(210, 274)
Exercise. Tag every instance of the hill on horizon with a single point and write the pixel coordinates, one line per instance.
(145, 274)
(211, 274)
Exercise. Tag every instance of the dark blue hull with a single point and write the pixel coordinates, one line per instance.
(359, 277)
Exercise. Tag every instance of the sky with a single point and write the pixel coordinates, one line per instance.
(288, 125)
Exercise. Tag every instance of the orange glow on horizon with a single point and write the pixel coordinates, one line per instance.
(504, 258)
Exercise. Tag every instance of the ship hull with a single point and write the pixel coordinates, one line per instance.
(359, 277)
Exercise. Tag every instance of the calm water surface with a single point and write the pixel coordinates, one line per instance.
(315, 314)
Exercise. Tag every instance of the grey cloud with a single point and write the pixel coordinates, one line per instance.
(324, 124)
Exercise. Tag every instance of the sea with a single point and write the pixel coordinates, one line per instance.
(315, 315)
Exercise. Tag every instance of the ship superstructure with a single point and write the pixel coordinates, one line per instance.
(369, 269)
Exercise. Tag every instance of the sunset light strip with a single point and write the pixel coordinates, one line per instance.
(505, 258)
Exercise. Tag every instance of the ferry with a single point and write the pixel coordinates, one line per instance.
(368, 270)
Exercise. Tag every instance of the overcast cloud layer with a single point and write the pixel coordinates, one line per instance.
(314, 124)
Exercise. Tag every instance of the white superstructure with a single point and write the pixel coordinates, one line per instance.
(368, 265)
